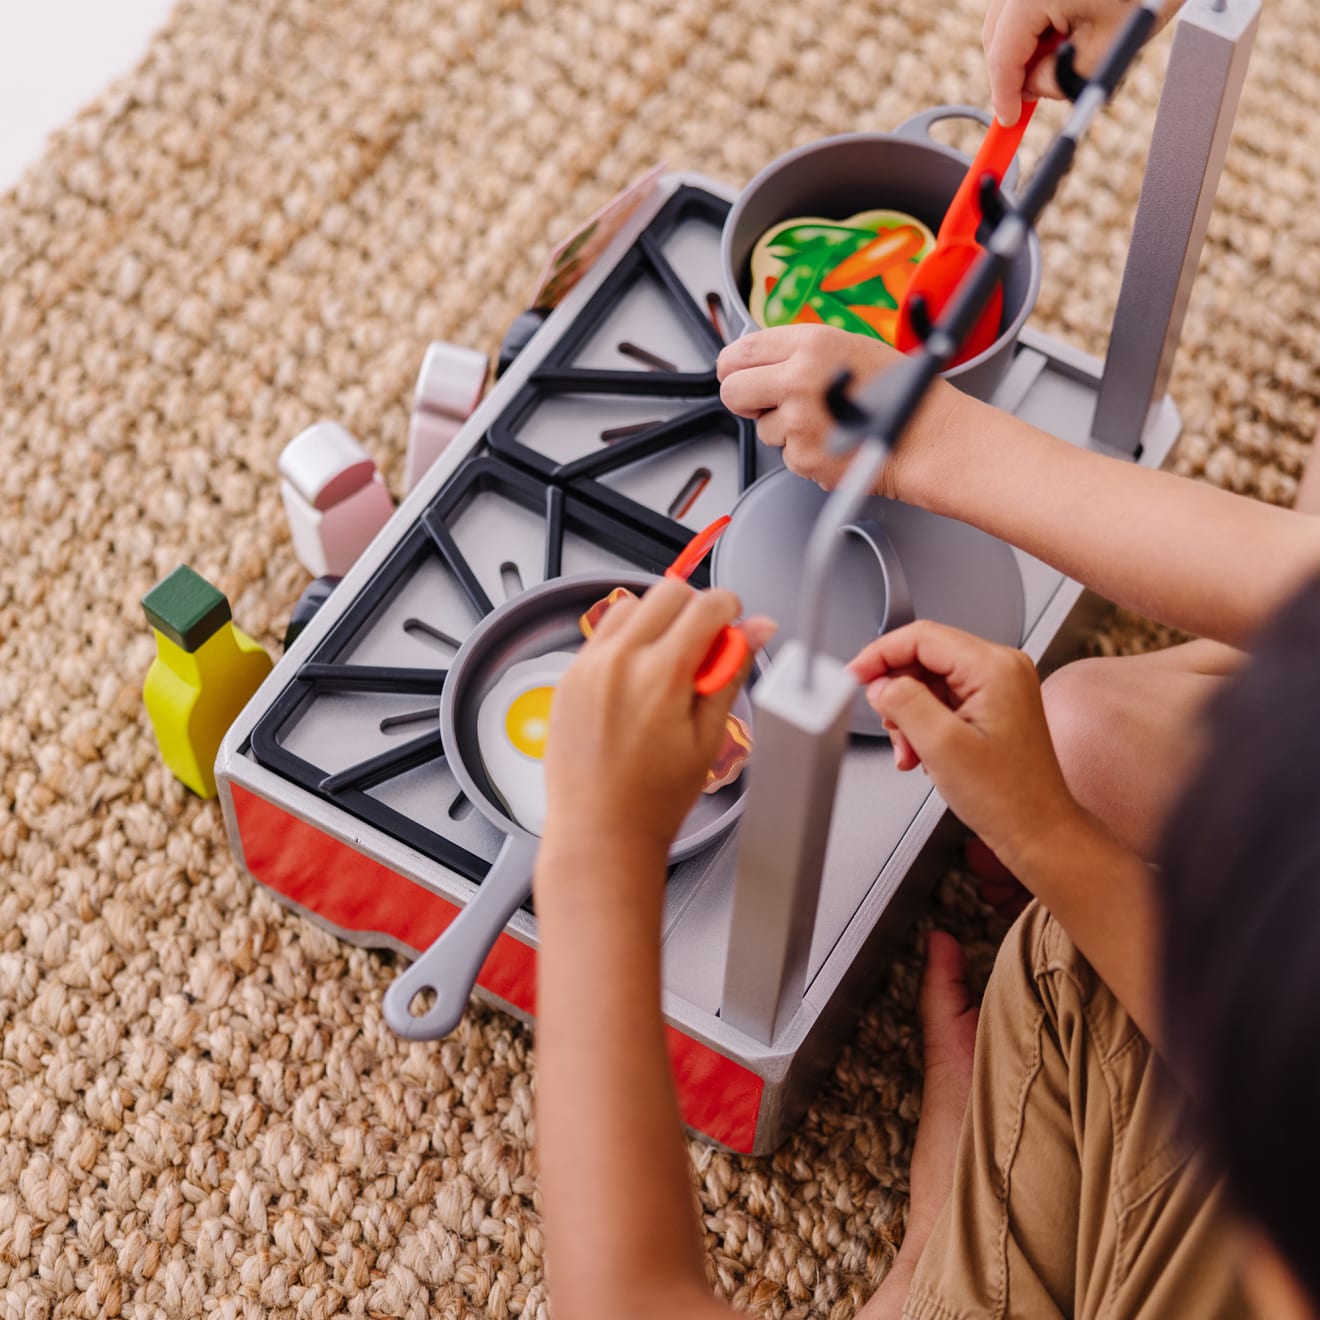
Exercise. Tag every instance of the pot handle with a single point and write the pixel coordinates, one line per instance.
(918, 127)
(899, 610)
(450, 966)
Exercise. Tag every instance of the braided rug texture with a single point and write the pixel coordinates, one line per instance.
(201, 1110)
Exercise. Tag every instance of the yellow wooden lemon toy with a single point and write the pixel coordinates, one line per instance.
(204, 672)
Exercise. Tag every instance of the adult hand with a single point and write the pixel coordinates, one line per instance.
(971, 713)
(630, 737)
(1013, 30)
(778, 377)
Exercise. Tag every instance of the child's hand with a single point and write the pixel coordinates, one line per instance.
(779, 377)
(971, 713)
(630, 738)
(1014, 28)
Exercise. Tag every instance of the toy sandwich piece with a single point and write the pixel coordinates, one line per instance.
(851, 274)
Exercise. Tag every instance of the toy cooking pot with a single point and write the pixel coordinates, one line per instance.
(906, 170)
(541, 620)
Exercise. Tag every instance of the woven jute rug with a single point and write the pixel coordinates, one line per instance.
(201, 1111)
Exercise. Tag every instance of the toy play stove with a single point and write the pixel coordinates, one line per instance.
(605, 446)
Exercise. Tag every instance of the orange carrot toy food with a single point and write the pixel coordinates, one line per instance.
(892, 248)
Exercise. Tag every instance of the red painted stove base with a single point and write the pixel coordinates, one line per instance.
(718, 1097)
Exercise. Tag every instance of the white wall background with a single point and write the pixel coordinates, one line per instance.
(55, 56)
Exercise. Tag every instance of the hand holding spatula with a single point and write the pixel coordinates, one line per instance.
(943, 269)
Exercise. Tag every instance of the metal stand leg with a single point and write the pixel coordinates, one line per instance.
(801, 733)
(1207, 67)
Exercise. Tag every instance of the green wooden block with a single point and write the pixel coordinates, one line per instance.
(186, 608)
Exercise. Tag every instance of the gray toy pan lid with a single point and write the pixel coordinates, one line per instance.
(903, 562)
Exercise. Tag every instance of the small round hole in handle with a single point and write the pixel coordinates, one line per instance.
(417, 1008)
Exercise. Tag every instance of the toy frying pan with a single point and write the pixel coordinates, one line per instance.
(540, 620)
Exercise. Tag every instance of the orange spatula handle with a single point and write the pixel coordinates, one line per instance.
(723, 661)
(729, 651)
(697, 549)
(995, 156)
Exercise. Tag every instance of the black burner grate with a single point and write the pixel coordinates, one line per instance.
(426, 596)
(685, 406)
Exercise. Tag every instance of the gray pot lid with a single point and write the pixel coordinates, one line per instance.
(953, 573)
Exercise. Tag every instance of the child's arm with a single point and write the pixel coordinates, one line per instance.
(629, 745)
(616, 1189)
(984, 742)
(1179, 551)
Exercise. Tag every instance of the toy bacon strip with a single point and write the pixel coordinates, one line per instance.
(735, 749)
(735, 752)
(590, 621)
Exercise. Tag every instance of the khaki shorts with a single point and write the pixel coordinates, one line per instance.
(1073, 1194)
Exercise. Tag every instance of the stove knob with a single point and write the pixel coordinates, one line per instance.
(315, 595)
(520, 333)
(451, 381)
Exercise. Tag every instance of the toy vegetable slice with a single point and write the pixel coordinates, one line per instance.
(796, 285)
(833, 311)
(877, 292)
(801, 238)
(882, 320)
(783, 247)
(883, 252)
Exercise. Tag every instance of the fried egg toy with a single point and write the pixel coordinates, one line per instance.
(512, 726)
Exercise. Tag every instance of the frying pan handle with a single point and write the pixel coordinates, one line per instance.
(450, 966)
(918, 127)
(899, 610)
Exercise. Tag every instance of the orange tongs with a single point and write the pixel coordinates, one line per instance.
(730, 650)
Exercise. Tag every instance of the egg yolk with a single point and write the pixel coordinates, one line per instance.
(527, 721)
